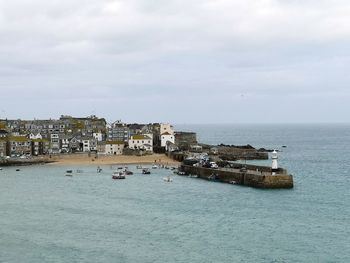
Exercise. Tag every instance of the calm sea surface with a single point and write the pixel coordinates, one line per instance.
(48, 217)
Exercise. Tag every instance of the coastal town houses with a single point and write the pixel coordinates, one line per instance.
(3, 133)
(166, 137)
(141, 142)
(85, 126)
(114, 147)
(34, 136)
(40, 146)
(89, 144)
(55, 143)
(19, 145)
(70, 134)
(118, 131)
(75, 145)
(86, 144)
(166, 128)
(98, 136)
(165, 133)
(171, 147)
(64, 143)
(135, 129)
(3, 147)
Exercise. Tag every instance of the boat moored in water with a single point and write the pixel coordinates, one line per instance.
(146, 171)
(168, 179)
(118, 175)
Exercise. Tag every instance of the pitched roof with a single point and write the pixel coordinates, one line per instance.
(140, 137)
(40, 140)
(115, 142)
(19, 139)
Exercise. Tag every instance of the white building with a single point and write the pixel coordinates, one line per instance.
(141, 142)
(166, 127)
(36, 136)
(114, 147)
(86, 145)
(166, 137)
(55, 143)
(64, 141)
(89, 144)
(98, 136)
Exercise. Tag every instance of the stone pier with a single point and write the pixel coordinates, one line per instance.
(249, 175)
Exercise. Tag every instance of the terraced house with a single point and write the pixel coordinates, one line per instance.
(113, 147)
(141, 142)
(3, 147)
(40, 147)
(89, 134)
(19, 145)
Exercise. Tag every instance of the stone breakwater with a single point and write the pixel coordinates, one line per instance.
(249, 175)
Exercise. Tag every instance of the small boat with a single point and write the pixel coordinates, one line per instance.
(167, 179)
(118, 175)
(193, 176)
(99, 169)
(0, 169)
(139, 167)
(154, 166)
(80, 171)
(69, 171)
(17, 170)
(181, 173)
(127, 172)
(70, 175)
(146, 171)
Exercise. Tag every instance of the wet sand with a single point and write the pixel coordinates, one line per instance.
(85, 159)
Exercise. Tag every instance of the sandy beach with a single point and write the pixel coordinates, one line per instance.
(85, 159)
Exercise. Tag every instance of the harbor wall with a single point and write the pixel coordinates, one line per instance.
(24, 162)
(249, 178)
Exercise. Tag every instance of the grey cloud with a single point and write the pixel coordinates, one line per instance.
(113, 53)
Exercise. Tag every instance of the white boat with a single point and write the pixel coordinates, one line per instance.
(154, 166)
(168, 179)
(118, 175)
(139, 167)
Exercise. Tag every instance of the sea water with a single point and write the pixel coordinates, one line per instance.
(49, 217)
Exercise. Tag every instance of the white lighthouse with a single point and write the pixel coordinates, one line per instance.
(274, 158)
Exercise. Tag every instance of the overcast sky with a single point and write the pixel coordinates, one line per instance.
(178, 61)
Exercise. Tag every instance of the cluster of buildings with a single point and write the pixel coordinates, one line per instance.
(91, 134)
